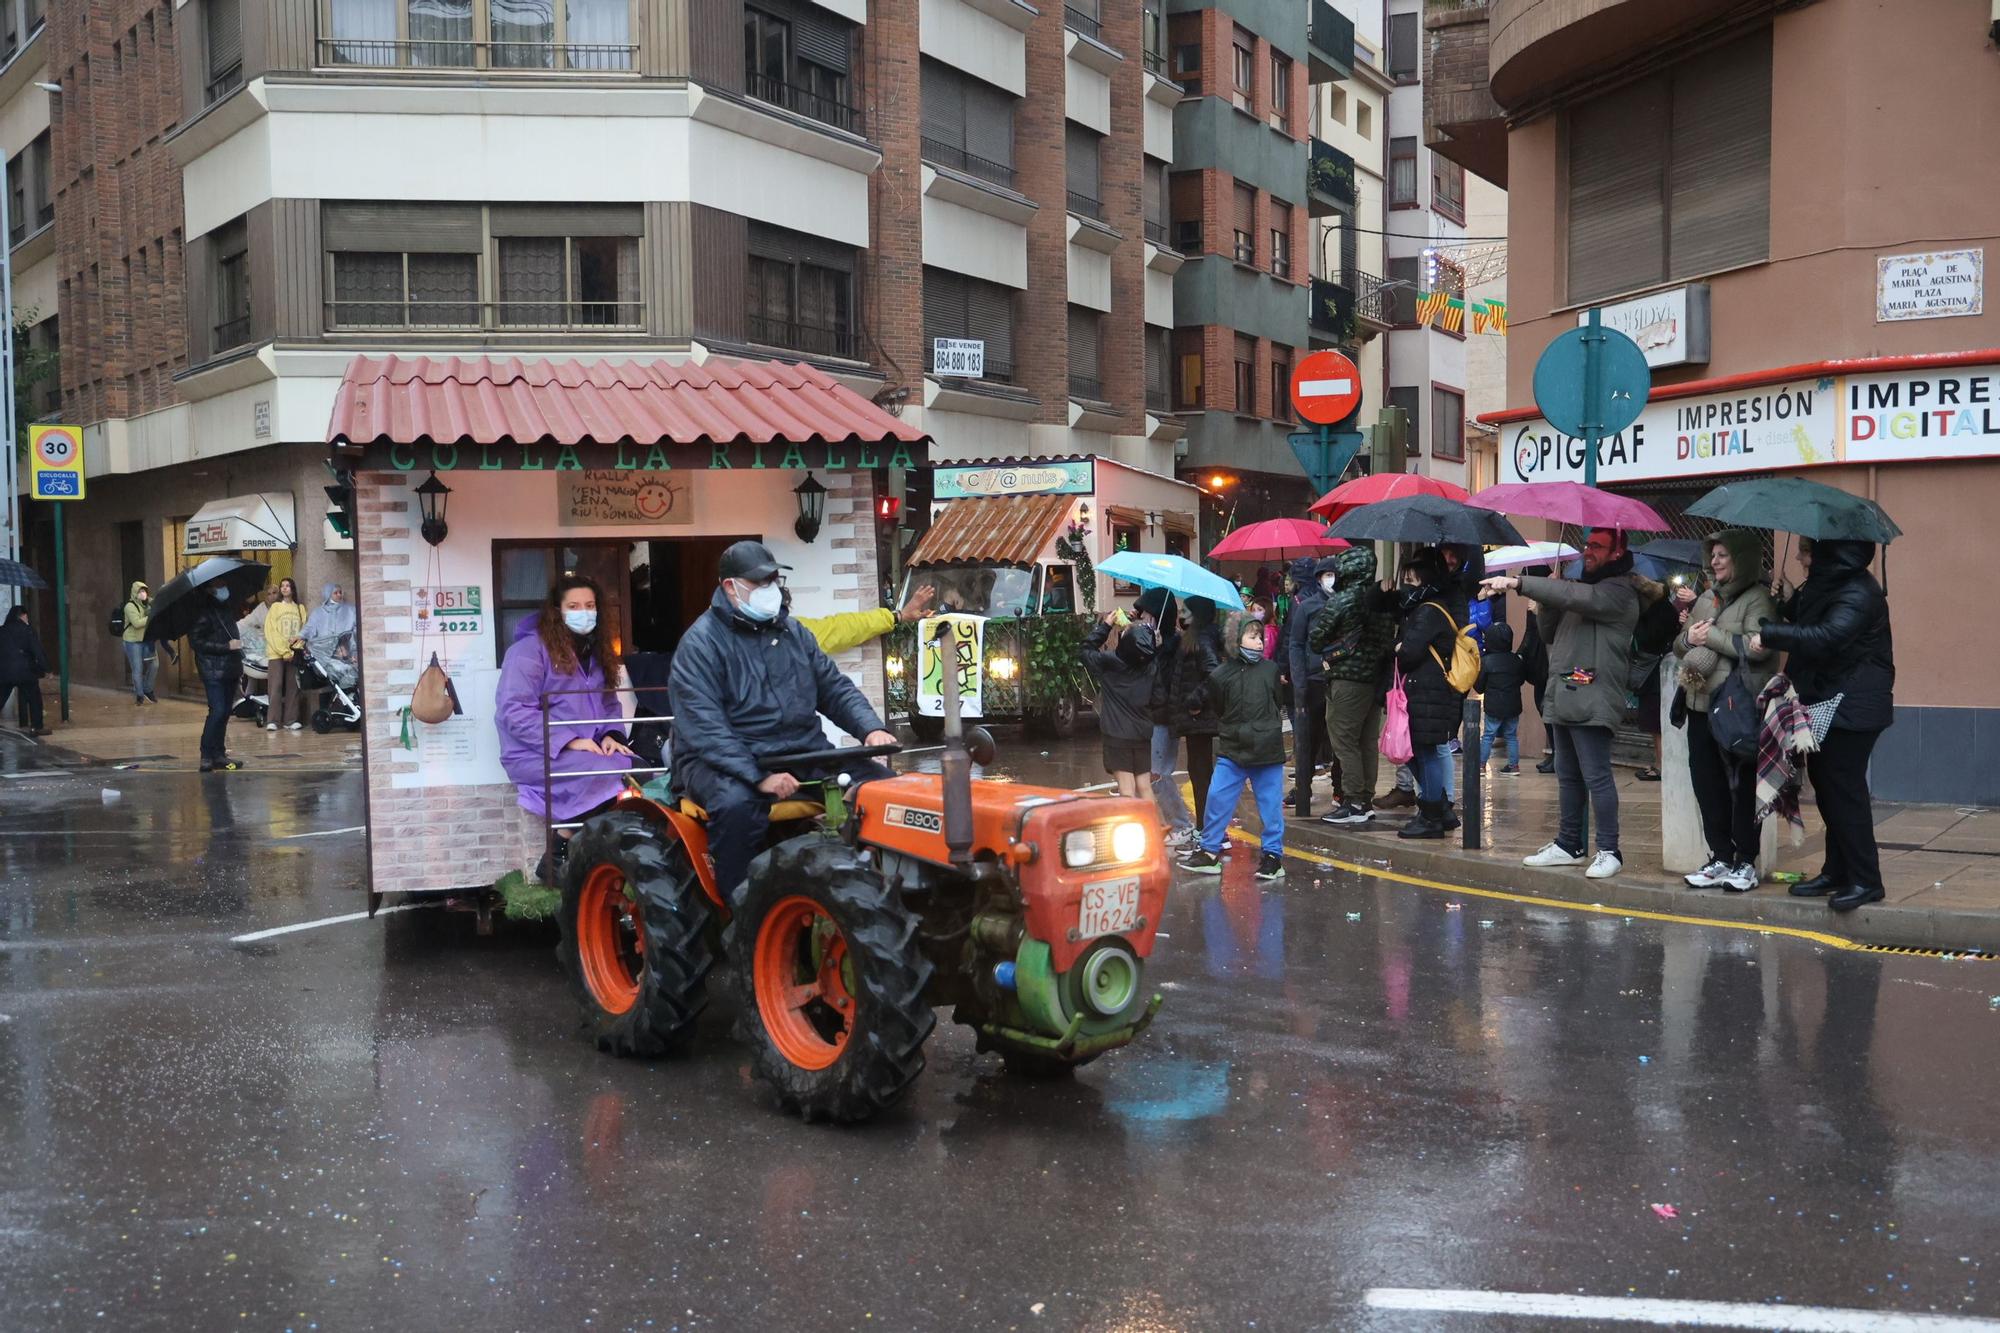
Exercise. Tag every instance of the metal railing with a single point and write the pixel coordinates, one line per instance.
(1085, 386)
(1156, 232)
(478, 316)
(796, 336)
(1084, 206)
(998, 371)
(1158, 400)
(941, 154)
(806, 102)
(232, 333)
(1374, 297)
(573, 57)
(223, 84)
(1155, 61)
(1083, 21)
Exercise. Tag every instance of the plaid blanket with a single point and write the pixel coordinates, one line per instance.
(1783, 743)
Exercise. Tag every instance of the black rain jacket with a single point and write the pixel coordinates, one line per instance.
(1839, 640)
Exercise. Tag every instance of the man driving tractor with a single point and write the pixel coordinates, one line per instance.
(749, 682)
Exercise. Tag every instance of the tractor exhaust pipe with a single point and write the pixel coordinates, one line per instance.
(955, 764)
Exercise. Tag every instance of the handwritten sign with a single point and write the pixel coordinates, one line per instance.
(594, 499)
(1932, 285)
(456, 610)
(954, 643)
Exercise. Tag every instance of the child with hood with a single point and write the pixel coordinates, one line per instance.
(1118, 653)
(1502, 673)
(140, 659)
(1243, 695)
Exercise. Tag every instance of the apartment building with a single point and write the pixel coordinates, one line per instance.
(25, 143)
(250, 194)
(1242, 207)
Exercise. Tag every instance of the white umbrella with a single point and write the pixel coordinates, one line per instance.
(1534, 553)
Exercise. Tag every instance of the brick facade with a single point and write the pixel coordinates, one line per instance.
(1041, 335)
(892, 285)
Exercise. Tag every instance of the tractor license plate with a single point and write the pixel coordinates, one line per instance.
(1109, 907)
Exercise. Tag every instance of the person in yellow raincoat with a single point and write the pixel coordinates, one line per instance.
(850, 629)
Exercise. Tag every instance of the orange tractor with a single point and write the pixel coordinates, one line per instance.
(1031, 910)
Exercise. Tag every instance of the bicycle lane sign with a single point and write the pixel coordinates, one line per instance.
(55, 462)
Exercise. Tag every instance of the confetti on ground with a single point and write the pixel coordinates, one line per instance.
(1666, 1210)
(1645, 1059)
(1354, 916)
(1486, 925)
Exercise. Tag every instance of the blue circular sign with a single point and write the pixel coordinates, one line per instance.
(1624, 380)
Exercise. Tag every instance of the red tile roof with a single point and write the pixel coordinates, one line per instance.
(1000, 530)
(496, 400)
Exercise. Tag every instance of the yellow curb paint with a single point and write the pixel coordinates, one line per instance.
(1531, 900)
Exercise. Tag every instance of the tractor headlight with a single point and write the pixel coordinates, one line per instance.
(1079, 847)
(894, 666)
(1128, 842)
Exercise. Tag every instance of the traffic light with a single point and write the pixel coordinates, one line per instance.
(340, 501)
(887, 507)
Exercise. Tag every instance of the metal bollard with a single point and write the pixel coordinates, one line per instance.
(1473, 770)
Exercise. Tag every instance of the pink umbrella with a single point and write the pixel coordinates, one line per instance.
(1570, 502)
(1381, 486)
(1276, 539)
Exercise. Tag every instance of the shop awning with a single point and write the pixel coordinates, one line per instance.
(1005, 530)
(261, 522)
(504, 400)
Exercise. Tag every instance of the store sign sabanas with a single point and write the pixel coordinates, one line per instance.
(836, 456)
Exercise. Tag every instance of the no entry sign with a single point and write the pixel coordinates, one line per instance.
(1326, 388)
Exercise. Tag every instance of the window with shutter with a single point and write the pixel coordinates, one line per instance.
(1405, 55)
(801, 292)
(229, 247)
(1246, 375)
(968, 124)
(956, 306)
(1086, 376)
(1082, 165)
(1447, 423)
(1281, 384)
(1670, 177)
(1281, 239)
(797, 56)
(1407, 397)
(1405, 276)
(1158, 354)
(1156, 201)
(223, 24)
(1245, 219)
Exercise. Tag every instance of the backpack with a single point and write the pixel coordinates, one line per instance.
(1464, 668)
(117, 623)
(1659, 625)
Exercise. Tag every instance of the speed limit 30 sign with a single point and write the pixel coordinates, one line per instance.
(55, 462)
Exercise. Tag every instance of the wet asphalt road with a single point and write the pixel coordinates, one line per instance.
(1354, 1084)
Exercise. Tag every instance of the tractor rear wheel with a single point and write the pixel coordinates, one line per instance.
(832, 986)
(635, 942)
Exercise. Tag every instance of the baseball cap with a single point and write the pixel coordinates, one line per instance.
(749, 561)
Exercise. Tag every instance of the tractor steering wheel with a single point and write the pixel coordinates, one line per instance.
(812, 758)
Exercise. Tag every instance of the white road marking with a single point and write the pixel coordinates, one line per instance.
(321, 833)
(323, 921)
(1325, 388)
(1680, 1314)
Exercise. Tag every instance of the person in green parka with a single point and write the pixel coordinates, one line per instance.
(1246, 699)
(141, 660)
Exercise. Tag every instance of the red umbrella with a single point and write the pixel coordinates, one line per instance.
(1570, 502)
(1382, 486)
(1276, 539)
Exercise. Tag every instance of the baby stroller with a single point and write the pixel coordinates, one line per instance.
(338, 681)
(253, 698)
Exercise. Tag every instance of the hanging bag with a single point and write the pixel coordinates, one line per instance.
(1395, 744)
(1732, 711)
(435, 699)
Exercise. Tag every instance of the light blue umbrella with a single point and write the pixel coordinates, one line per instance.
(1177, 574)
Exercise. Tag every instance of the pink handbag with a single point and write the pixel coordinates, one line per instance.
(1395, 744)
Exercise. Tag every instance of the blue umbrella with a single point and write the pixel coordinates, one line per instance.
(19, 575)
(1177, 574)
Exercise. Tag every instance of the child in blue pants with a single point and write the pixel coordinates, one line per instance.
(1243, 695)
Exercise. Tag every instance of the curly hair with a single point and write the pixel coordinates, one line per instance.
(561, 643)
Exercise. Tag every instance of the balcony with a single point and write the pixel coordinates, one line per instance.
(1082, 18)
(1331, 318)
(1330, 180)
(1086, 387)
(1329, 43)
(794, 336)
(806, 102)
(1462, 122)
(1374, 302)
(481, 317)
(439, 54)
(1086, 207)
(1156, 232)
(941, 154)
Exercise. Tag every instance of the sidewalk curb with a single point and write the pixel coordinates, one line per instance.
(1883, 925)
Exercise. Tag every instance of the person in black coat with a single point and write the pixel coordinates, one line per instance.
(1840, 647)
(23, 664)
(1304, 669)
(1184, 674)
(1433, 608)
(1501, 675)
(218, 657)
(1535, 657)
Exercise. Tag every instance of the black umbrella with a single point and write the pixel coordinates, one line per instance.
(19, 575)
(1793, 504)
(1428, 520)
(176, 605)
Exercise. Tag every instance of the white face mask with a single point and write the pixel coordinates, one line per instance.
(1326, 582)
(763, 602)
(580, 622)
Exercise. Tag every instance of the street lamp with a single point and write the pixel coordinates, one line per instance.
(812, 507)
(430, 498)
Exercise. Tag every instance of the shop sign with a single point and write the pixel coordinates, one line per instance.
(1935, 284)
(836, 456)
(1076, 477)
(1671, 328)
(953, 645)
(450, 610)
(622, 499)
(1903, 416)
(964, 358)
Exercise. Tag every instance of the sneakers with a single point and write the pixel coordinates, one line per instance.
(1396, 798)
(1740, 878)
(1553, 855)
(1199, 862)
(1348, 814)
(1183, 839)
(1428, 823)
(1546, 766)
(270, 726)
(226, 766)
(296, 726)
(1511, 771)
(1270, 866)
(1708, 876)
(1604, 866)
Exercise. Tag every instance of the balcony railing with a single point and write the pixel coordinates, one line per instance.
(1330, 173)
(1158, 400)
(232, 333)
(1084, 206)
(1083, 20)
(1088, 387)
(1156, 232)
(939, 153)
(1330, 41)
(796, 336)
(485, 316)
(435, 54)
(806, 102)
(997, 370)
(1155, 61)
(1374, 298)
(223, 84)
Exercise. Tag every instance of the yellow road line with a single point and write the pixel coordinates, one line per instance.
(1532, 900)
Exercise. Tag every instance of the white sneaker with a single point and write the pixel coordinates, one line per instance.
(296, 726)
(270, 726)
(1739, 879)
(1552, 855)
(1708, 876)
(1604, 866)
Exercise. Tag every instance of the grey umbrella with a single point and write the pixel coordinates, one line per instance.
(176, 605)
(18, 574)
(1793, 504)
(1428, 520)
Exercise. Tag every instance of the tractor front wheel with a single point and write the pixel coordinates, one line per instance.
(635, 943)
(832, 986)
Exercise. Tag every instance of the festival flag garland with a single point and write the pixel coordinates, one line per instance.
(1448, 312)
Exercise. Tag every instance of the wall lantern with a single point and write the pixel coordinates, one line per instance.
(812, 507)
(430, 498)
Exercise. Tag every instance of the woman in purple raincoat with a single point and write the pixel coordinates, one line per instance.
(563, 650)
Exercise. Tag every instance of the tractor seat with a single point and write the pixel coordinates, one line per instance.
(782, 812)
